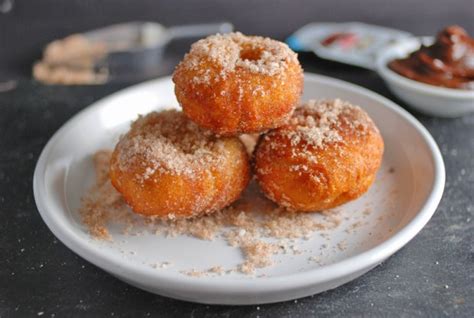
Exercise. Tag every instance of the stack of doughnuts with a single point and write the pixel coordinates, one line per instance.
(183, 164)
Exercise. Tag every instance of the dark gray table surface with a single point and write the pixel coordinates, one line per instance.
(432, 276)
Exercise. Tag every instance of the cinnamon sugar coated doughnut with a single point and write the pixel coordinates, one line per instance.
(326, 155)
(167, 166)
(234, 83)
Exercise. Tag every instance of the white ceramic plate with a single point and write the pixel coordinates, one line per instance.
(64, 171)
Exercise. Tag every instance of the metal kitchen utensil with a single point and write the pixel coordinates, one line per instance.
(135, 49)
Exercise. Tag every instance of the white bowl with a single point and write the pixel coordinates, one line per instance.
(428, 99)
(405, 195)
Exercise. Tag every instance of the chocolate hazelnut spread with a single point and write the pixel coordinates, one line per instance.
(449, 62)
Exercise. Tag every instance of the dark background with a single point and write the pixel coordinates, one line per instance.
(31, 24)
(432, 276)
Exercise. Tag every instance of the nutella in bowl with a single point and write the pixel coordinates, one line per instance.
(448, 62)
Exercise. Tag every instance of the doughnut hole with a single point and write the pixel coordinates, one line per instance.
(302, 176)
(251, 86)
(203, 179)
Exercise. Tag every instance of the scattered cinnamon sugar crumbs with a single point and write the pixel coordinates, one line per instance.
(354, 227)
(216, 270)
(102, 200)
(205, 228)
(342, 246)
(253, 224)
(287, 224)
(257, 254)
(194, 273)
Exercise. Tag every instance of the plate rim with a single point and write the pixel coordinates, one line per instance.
(312, 277)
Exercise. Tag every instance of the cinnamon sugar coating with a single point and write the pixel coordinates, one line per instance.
(234, 83)
(326, 155)
(168, 166)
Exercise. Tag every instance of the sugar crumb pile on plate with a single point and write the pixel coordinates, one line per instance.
(253, 224)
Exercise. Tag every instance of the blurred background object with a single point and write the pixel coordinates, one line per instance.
(29, 25)
(124, 51)
(6, 6)
(353, 43)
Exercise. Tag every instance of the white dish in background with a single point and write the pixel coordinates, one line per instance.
(428, 99)
(64, 171)
(370, 38)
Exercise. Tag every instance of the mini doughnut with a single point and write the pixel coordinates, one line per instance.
(167, 166)
(234, 83)
(326, 155)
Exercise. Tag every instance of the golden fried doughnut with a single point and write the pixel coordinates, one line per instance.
(326, 155)
(234, 83)
(167, 166)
